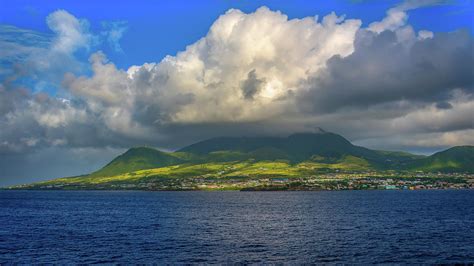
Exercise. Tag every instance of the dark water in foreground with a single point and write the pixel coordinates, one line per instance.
(247, 227)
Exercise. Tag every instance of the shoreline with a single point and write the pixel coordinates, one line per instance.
(237, 190)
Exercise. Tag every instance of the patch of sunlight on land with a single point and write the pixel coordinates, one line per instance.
(266, 168)
(95, 179)
(352, 163)
(348, 163)
(223, 170)
(441, 165)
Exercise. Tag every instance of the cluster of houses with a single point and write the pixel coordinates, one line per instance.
(329, 181)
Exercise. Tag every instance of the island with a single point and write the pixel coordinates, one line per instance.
(303, 161)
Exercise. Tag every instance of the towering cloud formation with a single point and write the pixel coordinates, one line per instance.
(243, 70)
(253, 74)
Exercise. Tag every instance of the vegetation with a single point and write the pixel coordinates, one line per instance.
(223, 163)
(136, 159)
(456, 159)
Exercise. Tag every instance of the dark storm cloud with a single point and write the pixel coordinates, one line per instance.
(252, 85)
(31, 122)
(444, 105)
(382, 69)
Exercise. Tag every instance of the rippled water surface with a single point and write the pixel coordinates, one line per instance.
(247, 227)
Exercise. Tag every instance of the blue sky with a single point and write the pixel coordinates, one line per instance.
(159, 28)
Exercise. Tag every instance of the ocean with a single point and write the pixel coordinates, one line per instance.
(237, 227)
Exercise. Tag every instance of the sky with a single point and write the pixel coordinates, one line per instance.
(82, 81)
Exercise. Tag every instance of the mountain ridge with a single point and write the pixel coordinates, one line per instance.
(458, 158)
(137, 158)
(249, 161)
(322, 146)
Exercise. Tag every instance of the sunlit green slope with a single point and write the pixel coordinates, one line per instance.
(456, 159)
(137, 159)
(218, 170)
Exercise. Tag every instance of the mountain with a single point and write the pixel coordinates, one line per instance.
(242, 162)
(322, 146)
(456, 159)
(137, 159)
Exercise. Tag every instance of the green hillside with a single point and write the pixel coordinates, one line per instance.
(456, 159)
(323, 148)
(326, 146)
(297, 147)
(137, 159)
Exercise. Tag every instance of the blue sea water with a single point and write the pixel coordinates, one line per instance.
(237, 227)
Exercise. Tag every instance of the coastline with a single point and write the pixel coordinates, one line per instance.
(250, 189)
